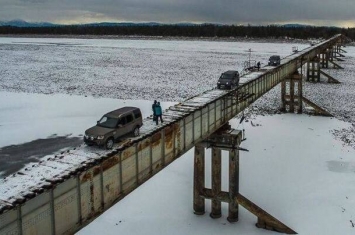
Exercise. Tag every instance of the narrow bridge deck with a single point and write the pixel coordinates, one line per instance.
(137, 159)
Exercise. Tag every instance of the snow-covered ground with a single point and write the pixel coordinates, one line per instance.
(169, 70)
(295, 169)
(121, 69)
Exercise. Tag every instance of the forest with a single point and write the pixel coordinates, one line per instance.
(203, 30)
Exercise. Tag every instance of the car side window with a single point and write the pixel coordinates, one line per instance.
(129, 118)
(137, 114)
(122, 121)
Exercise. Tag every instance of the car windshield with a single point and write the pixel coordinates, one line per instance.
(274, 58)
(226, 76)
(108, 122)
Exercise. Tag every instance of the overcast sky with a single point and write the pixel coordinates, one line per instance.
(316, 12)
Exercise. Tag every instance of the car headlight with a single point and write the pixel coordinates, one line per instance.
(227, 83)
(218, 82)
(86, 136)
(100, 137)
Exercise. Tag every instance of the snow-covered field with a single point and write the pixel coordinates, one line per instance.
(169, 70)
(295, 169)
(124, 69)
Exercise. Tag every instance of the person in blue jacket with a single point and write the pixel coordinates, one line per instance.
(158, 113)
(153, 108)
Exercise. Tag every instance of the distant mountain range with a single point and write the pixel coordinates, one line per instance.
(23, 24)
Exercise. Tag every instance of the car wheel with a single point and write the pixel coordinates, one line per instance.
(109, 143)
(136, 131)
(218, 87)
(89, 144)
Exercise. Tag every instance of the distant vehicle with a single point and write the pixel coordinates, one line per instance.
(113, 125)
(274, 60)
(228, 79)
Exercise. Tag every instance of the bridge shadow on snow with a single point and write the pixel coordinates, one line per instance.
(14, 157)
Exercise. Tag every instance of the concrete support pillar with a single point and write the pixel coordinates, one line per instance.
(299, 94)
(283, 96)
(216, 182)
(313, 70)
(291, 94)
(324, 59)
(334, 52)
(224, 139)
(199, 180)
(229, 140)
(331, 54)
(233, 185)
(338, 48)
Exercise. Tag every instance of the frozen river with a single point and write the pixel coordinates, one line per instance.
(56, 88)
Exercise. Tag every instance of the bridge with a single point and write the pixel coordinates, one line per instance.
(77, 185)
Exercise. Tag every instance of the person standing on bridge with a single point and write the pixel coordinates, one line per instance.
(153, 108)
(258, 65)
(158, 113)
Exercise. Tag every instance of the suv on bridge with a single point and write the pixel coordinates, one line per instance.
(228, 79)
(274, 60)
(114, 125)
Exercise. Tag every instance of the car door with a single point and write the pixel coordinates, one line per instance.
(121, 130)
(130, 123)
(235, 79)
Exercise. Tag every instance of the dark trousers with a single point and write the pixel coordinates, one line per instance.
(156, 118)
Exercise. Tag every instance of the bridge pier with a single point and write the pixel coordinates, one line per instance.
(223, 139)
(335, 56)
(334, 53)
(199, 180)
(291, 98)
(216, 182)
(313, 70)
(338, 48)
(229, 140)
(324, 59)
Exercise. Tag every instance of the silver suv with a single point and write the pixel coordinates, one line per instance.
(114, 125)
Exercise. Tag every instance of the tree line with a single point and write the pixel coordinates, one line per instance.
(205, 30)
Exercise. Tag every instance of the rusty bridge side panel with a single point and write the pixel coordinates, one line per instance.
(129, 169)
(169, 137)
(36, 216)
(90, 193)
(66, 206)
(9, 222)
(144, 159)
(156, 152)
(111, 180)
